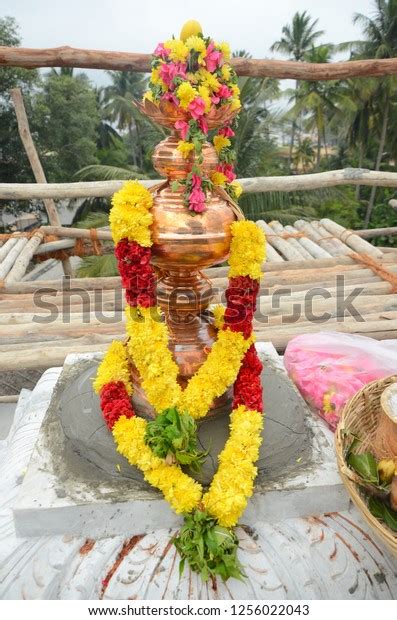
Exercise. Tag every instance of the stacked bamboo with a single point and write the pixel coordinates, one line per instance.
(302, 241)
(89, 316)
(315, 239)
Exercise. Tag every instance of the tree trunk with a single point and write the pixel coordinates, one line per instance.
(318, 148)
(360, 165)
(134, 158)
(378, 162)
(291, 144)
(293, 131)
(325, 144)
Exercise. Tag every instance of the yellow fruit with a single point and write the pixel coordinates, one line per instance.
(387, 469)
(190, 29)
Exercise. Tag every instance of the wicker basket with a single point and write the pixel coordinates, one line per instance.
(360, 417)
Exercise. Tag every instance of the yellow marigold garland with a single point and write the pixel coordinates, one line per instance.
(216, 374)
(180, 490)
(148, 347)
(114, 367)
(233, 483)
(130, 217)
(247, 250)
(231, 486)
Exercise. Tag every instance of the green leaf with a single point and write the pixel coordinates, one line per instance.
(175, 185)
(181, 566)
(375, 507)
(390, 517)
(365, 465)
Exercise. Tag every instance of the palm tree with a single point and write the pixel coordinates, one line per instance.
(304, 155)
(380, 33)
(119, 109)
(316, 101)
(296, 40)
(355, 117)
(253, 142)
(63, 71)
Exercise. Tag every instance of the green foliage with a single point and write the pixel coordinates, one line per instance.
(98, 266)
(94, 220)
(173, 435)
(14, 164)
(208, 548)
(341, 206)
(140, 135)
(66, 119)
(99, 172)
(382, 511)
(13, 77)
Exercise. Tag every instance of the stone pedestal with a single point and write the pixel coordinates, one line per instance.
(77, 483)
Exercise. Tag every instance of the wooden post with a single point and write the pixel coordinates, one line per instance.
(31, 152)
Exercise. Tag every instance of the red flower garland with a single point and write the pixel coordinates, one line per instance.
(247, 389)
(115, 402)
(241, 295)
(137, 274)
(241, 304)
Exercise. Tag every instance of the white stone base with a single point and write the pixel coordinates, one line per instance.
(326, 556)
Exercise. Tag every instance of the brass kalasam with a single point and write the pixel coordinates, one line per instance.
(183, 245)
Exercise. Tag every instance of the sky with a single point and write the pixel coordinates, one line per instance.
(137, 25)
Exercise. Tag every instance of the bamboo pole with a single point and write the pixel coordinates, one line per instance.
(42, 356)
(113, 282)
(353, 241)
(67, 56)
(12, 255)
(280, 230)
(287, 250)
(31, 152)
(9, 398)
(54, 246)
(272, 256)
(77, 233)
(40, 270)
(297, 267)
(98, 189)
(310, 246)
(21, 264)
(7, 247)
(369, 233)
(45, 356)
(313, 234)
(340, 248)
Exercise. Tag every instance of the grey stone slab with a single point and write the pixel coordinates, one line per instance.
(77, 482)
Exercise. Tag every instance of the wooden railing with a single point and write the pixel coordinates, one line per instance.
(32, 58)
(103, 189)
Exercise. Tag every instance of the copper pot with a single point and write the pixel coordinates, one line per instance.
(183, 244)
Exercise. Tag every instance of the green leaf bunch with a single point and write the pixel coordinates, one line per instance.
(175, 434)
(209, 549)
